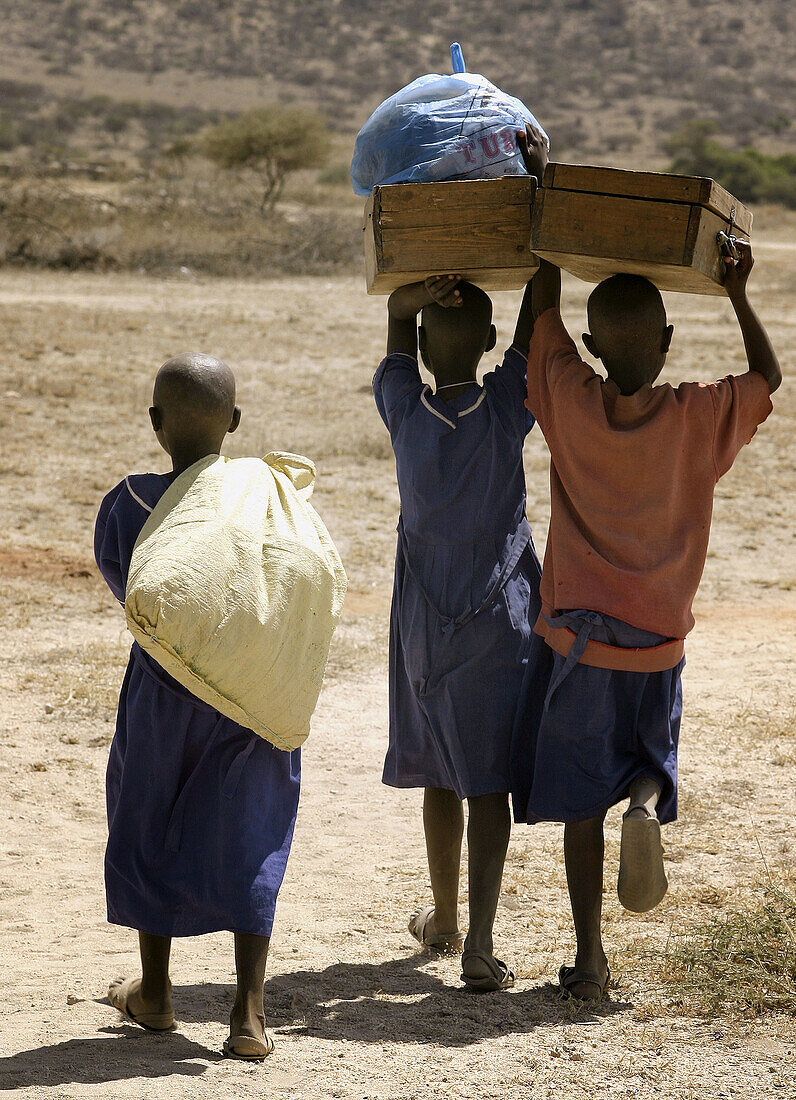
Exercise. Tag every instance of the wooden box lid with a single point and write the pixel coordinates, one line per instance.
(657, 186)
(417, 204)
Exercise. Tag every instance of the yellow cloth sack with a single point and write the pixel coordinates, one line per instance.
(235, 589)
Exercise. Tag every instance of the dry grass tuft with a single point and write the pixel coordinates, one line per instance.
(741, 963)
(81, 681)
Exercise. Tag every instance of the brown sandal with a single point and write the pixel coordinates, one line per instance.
(642, 880)
(500, 976)
(248, 1049)
(442, 942)
(570, 975)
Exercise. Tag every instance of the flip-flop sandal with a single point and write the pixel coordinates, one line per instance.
(248, 1049)
(443, 942)
(500, 977)
(642, 880)
(570, 975)
(119, 991)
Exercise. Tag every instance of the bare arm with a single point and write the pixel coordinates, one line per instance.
(406, 302)
(760, 355)
(542, 292)
(533, 148)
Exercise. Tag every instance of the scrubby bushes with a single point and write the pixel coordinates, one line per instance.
(751, 175)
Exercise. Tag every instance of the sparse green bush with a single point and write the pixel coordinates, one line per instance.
(271, 142)
(335, 175)
(751, 175)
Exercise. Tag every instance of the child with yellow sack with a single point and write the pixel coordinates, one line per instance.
(232, 588)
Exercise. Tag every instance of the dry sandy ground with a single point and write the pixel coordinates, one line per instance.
(357, 1012)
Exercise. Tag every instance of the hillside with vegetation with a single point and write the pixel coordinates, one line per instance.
(603, 75)
(125, 94)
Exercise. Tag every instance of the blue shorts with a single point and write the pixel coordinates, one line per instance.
(579, 746)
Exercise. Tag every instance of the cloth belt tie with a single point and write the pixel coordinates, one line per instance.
(448, 625)
(563, 631)
(580, 625)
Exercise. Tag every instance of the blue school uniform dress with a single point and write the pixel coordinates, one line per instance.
(201, 810)
(587, 733)
(466, 590)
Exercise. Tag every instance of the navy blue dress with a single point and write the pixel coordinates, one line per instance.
(201, 810)
(587, 733)
(466, 591)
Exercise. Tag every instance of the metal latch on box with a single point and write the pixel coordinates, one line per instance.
(727, 241)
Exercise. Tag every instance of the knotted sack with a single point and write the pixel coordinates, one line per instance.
(235, 589)
(455, 127)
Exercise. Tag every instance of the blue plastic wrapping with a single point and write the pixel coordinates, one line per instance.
(441, 128)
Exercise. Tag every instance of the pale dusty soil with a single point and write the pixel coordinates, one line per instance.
(356, 1011)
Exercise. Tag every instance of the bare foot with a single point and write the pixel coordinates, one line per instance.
(247, 1018)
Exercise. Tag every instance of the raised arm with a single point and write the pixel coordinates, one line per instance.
(759, 353)
(542, 292)
(533, 147)
(406, 302)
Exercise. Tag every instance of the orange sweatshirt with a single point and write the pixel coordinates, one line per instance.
(631, 482)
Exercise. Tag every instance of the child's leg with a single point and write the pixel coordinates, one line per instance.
(488, 833)
(644, 795)
(147, 1000)
(247, 1018)
(583, 855)
(155, 983)
(443, 824)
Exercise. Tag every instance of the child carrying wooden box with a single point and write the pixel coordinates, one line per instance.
(633, 469)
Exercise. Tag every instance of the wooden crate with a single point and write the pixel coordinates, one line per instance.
(596, 222)
(480, 229)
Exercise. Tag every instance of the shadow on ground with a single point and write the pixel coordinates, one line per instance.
(396, 1001)
(132, 1052)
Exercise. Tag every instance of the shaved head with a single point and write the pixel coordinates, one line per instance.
(474, 314)
(627, 329)
(197, 387)
(193, 406)
(626, 311)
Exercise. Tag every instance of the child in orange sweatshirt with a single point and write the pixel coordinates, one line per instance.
(632, 473)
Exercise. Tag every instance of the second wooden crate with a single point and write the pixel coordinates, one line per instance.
(597, 222)
(480, 229)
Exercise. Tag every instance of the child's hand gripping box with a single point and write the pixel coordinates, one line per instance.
(479, 229)
(596, 222)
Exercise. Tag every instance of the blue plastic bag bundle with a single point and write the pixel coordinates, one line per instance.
(441, 128)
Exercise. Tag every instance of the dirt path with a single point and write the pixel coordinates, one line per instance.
(356, 1011)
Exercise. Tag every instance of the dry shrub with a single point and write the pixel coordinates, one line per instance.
(741, 963)
(165, 229)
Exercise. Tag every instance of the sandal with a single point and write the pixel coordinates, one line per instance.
(248, 1049)
(570, 975)
(443, 942)
(118, 993)
(500, 976)
(642, 880)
